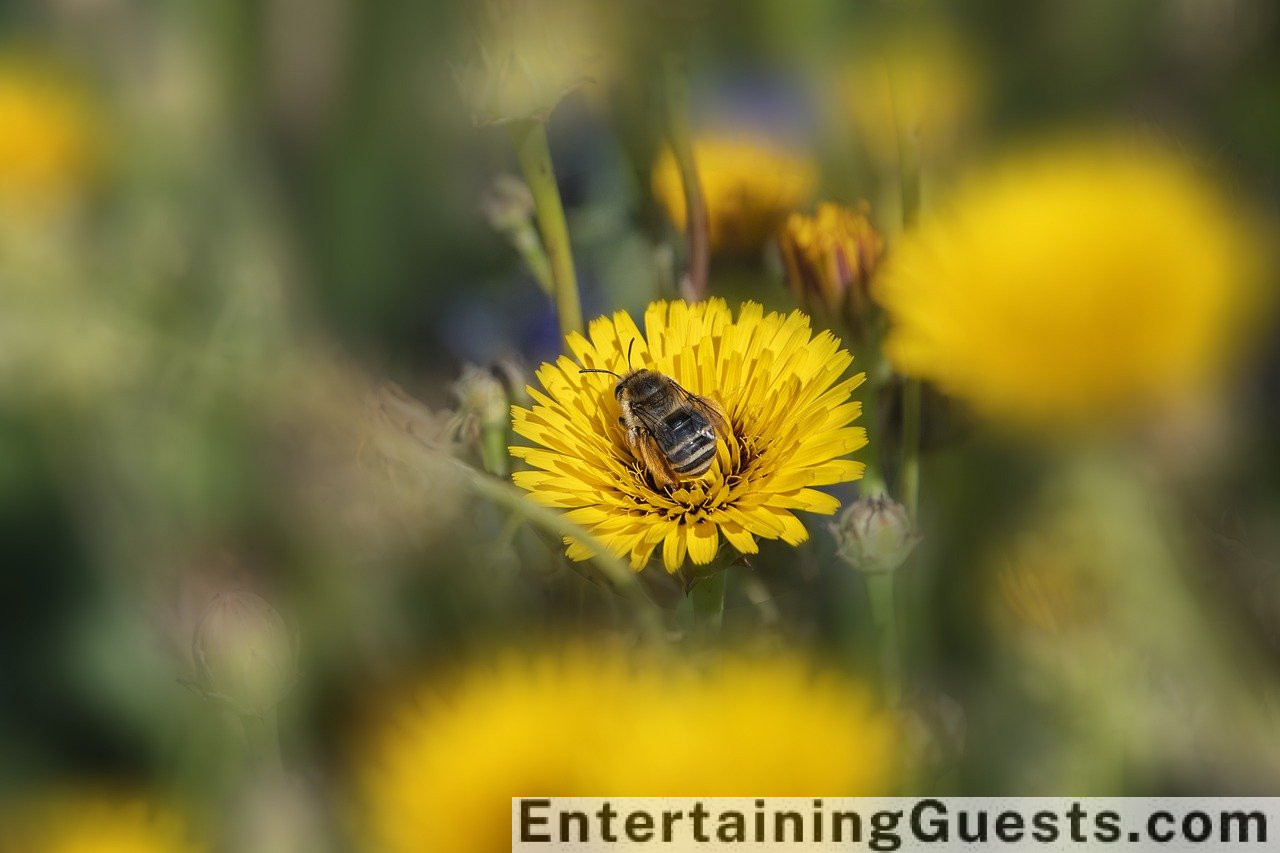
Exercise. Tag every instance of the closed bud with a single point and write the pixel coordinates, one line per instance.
(830, 259)
(507, 204)
(484, 402)
(244, 653)
(529, 55)
(482, 395)
(875, 534)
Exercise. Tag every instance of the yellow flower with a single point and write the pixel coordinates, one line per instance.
(92, 824)
(750, 187)
(788, 407)
(1048, 582)
(924, 84)
(47, 145)
(1072, 284)
(830, 259)
(441, 773)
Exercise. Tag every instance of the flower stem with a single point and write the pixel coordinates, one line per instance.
(707, 596)
(262, 734)
(909, 175)
(675, 89)
(884, 620)
(534, 154)
(529, 245)
(910, 486)
(617, 572)
(869, 355)
(493, 448)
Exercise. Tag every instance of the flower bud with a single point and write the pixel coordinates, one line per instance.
(481, 394)
(531, 53)
(875, 534)
(507, 204)
(830, 259)
(244, 653)
(484, 402)
(509, 207)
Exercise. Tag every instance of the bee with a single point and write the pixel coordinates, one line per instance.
(670, 431)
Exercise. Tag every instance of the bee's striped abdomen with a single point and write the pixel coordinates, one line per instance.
(689, 442)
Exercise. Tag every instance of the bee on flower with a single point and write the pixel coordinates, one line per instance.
(774, 395)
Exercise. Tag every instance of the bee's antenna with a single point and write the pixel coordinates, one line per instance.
(597, 370)
(630, 347)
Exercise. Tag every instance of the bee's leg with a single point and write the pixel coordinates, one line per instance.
(646, 452)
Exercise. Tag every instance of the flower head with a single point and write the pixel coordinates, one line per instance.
(830, 258)
(750, 187)
(1072, 284)
(85, 823)
(244, 652)
(48, 147)
(440, 775)
(789, 414)
(530, 54)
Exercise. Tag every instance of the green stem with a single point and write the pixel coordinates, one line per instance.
(616, 571)
(911, 398)
(873, 481)
(534, 154)
(675, 88)
(884, 619)
(529, 245)
(493, 448)
(707, 597)
(909, 175)
(262, 734)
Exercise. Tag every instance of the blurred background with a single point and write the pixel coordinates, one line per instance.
(248, 248)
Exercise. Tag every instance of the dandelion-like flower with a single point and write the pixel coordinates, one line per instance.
(788, 404)
(830, 259)
(1075, 284)
(750, 186)
(49, 143)
(441, 773)
(88, 823)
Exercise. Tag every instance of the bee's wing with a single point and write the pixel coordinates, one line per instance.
(708, 408)
(645, 449)
(651, 421)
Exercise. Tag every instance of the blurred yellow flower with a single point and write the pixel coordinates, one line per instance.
(781, 388)
(48, 137)
(1074, 283)
(442, 771)
(750, 186)
(1047, 581)
(924, 84)
(830, 259)
(92, 824)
